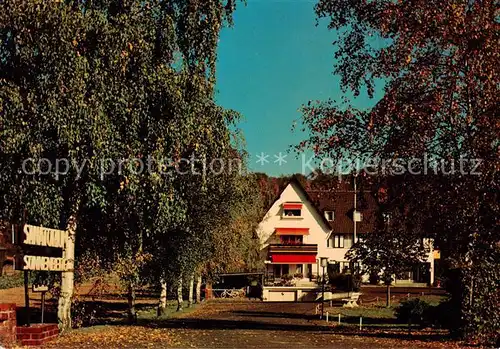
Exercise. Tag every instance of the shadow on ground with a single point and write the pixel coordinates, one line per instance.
(222, 324)
(297, 320)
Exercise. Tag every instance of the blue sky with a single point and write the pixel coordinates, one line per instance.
(272, 61)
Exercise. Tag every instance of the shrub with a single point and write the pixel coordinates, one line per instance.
(337, 280)
(374, 279)
(444, 315)
(286, 277)
(298, 275)
(412, 311)
(84, 314)
(356, 282)
(11, 281)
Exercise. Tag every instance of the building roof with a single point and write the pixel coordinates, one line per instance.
(342, 204)
(337, 195)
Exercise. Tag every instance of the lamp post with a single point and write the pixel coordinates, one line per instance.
(356, 214)
(324, 263)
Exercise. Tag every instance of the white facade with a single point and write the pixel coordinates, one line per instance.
(319, 233)
(310, 218)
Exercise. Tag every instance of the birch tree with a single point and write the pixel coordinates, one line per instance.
(83, 82)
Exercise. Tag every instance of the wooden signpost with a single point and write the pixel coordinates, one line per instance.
(41, 249)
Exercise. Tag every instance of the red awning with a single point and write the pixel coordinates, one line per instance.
(292, 231)
(293, 258)
(292, 206)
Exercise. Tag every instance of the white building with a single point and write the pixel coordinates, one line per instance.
(302, 226)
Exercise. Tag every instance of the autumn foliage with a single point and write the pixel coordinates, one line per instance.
(438, 63)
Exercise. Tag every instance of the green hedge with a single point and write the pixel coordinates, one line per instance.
(11, 281)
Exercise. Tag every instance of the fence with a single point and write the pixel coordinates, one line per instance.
(229, 292)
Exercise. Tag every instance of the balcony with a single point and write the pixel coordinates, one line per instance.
(293, 248)
(293, 253)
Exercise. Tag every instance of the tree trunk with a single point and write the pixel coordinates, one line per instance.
(471, 292)
(191, 288)
(162, 304)
(179, 293)
(67, 278)
(388, 301)
(198, 289)
(132, 314)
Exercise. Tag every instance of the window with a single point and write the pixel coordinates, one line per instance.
(333, 268)
(292, 209)
(329, 215)
(291, 212)
(336, 241)
(277, 270)
(280, 269)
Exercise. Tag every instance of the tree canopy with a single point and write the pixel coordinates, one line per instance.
(99, 103)
(437, 62)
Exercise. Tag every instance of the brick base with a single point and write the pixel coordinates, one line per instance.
(7, 324)
(36, 334)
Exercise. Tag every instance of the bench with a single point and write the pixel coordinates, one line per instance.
(352, 301)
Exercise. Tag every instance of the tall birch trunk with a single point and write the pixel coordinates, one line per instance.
(179, 293)
(67, 278)
(162, 304)
(132, 314)
(131, 296)
(198, 289)
(388, 300)
(191, 288)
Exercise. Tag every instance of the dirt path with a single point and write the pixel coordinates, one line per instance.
(244, 325)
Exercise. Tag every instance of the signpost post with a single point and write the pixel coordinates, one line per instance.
(324, 264)
(43, 289)
(27, 297)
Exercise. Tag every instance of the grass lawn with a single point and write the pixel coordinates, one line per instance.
(367, 312)
(149, 314)
(374, 315)
(431, 299)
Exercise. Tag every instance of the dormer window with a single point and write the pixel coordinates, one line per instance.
(292, 210)
(292, 213)
(329, 216)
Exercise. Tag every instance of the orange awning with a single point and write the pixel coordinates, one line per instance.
(292, 206)
(292, 231)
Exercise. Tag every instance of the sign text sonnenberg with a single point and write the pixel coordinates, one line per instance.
(41, 236)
